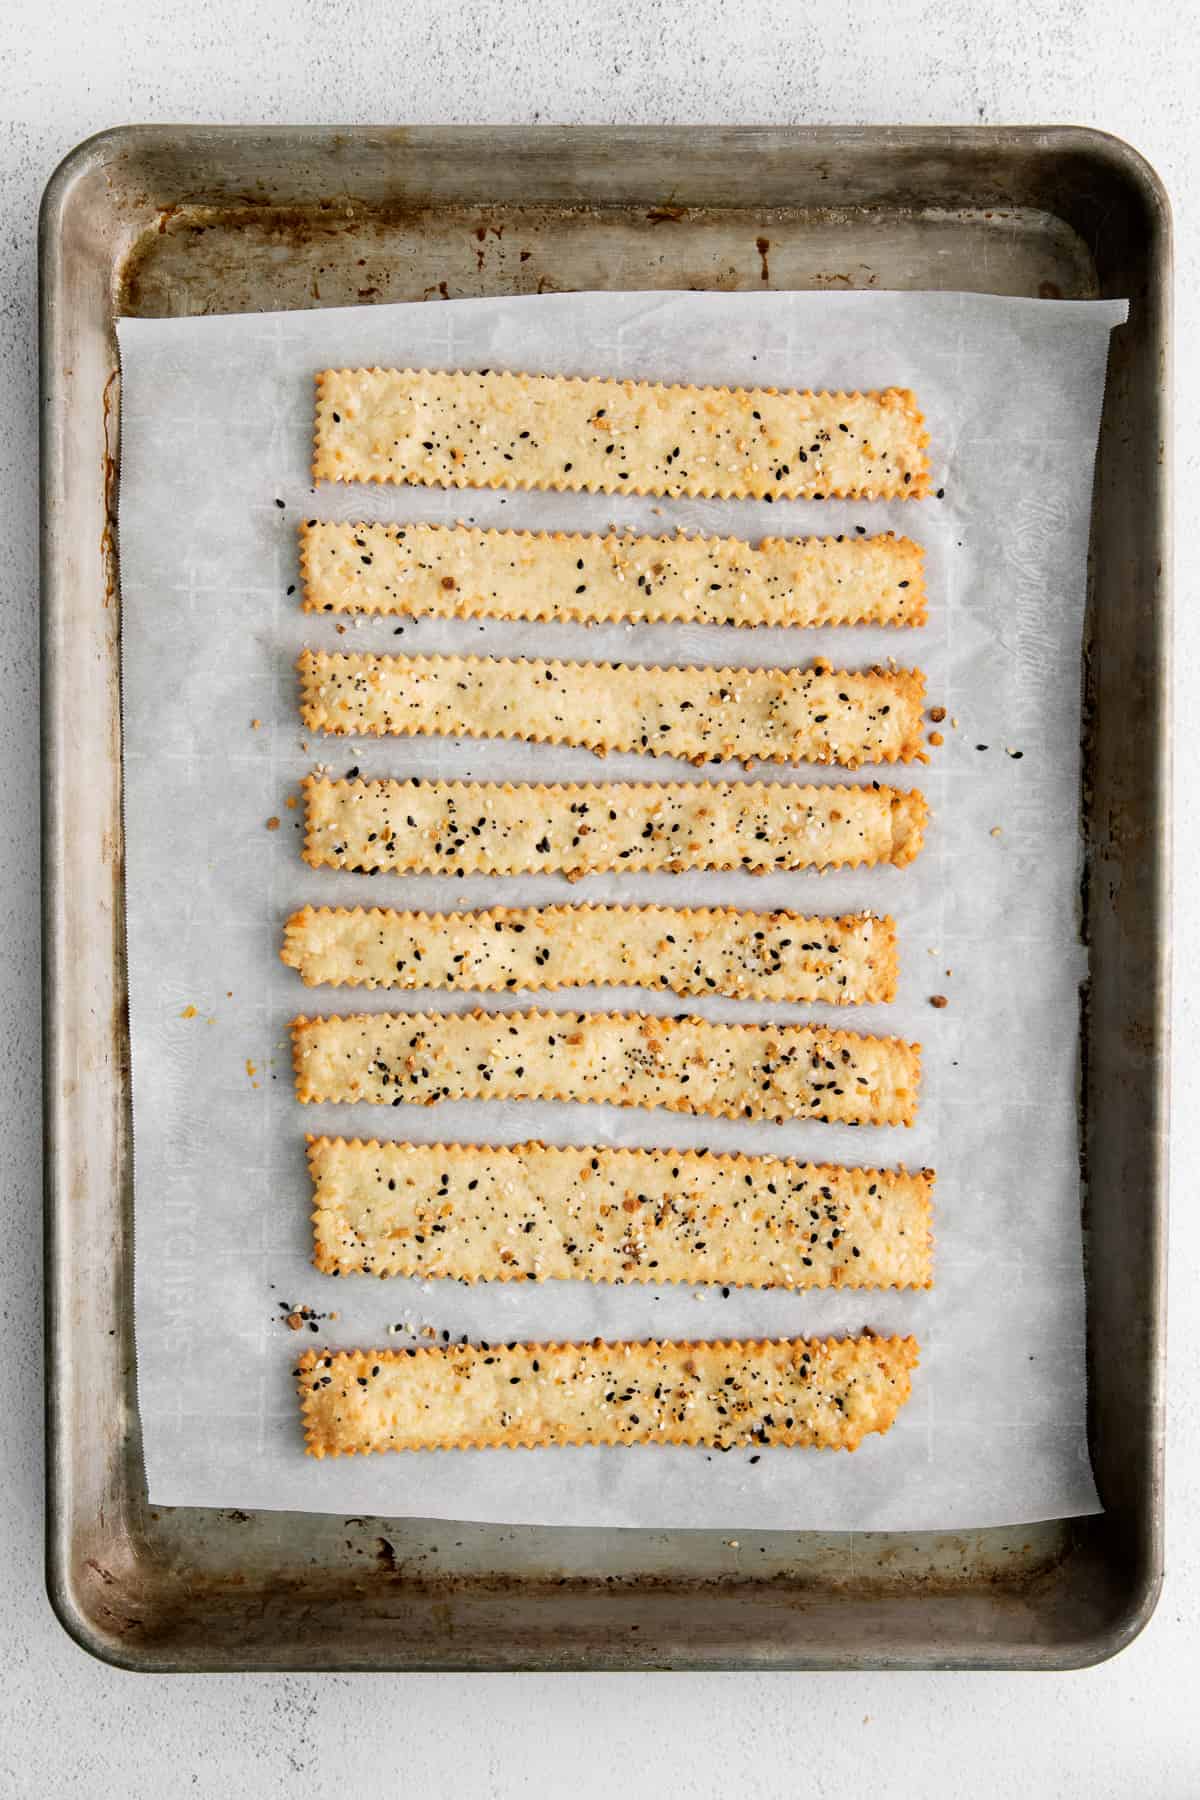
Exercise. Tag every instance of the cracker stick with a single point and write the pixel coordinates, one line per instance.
(483, 429)
(532, 1213)
(825, 1393)
(464, 572)
(689, 950)
(818, 714)
(686, 1065)
(492, 828)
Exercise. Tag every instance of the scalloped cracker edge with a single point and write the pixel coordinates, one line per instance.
(468, 572)
(783, 956)
(826, 1393)
(450, 827)
(532, 1212)
(687, 1065)
(816, 714)
(486, 429)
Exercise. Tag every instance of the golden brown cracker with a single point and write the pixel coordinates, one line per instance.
(450, 827)
(825, 1393)
(486, 429)
(688, 950)
(465, 572)
(532, 1212)
(689, 1065)
(816, 714)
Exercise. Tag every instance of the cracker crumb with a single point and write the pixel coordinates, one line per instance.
(294, 1322)
(189, 1012)
(995, 831)
(256, 724)
(938, 1000)
(936, 739)
(291, 803)
(937, 714)
(272, 823)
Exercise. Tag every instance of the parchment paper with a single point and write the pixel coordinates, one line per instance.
(217, 418)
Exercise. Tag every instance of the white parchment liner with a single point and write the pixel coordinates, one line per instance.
(217, 418)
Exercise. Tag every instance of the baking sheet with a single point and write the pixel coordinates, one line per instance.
(216, 426)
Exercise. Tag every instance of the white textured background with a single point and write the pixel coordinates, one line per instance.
(68, 1725)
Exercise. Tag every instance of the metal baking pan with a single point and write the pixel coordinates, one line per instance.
(174, 221)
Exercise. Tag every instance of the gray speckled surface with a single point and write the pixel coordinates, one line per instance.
(68, 1725)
